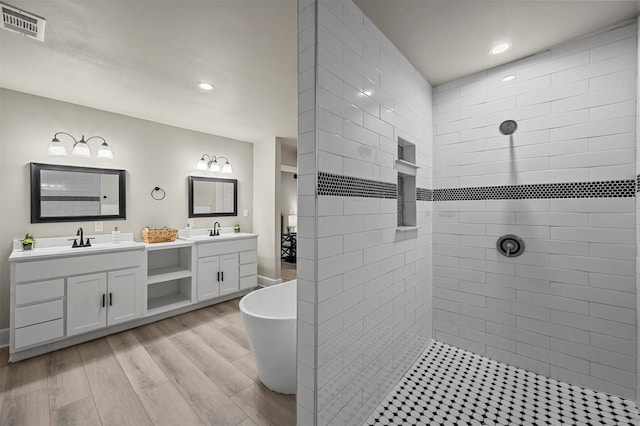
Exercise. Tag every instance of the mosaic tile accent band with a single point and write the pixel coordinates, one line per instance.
(347, 186)
(424, 194)
(603, 189)
(450, 386)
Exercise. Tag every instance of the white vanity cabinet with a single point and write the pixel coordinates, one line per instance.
(38, 315)
(62, 296)
(99, 300)
(57, 293)
(226, 265)
(218, 275)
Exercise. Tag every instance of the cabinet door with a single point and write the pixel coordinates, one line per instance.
(122, 297)
(86, 303)
(229, 273)
(208, 276)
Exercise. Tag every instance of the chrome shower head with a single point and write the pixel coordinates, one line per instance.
(508, 127)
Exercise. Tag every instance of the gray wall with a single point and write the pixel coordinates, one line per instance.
(288, 197)
(266, 221)
(153, 154)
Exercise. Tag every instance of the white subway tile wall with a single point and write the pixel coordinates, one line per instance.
(306, 255)
(637, 240)
(373, 291)
(566, 308)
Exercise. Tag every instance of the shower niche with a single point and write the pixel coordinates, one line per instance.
(407, 169)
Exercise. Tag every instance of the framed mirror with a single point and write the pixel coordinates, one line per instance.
(74, 194)
(209, 197)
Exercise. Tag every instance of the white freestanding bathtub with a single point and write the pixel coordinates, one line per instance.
(269, 315)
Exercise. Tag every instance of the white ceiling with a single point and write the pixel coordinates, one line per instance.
(143, 58)
(449, 39)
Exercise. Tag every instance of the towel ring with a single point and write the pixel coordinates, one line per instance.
(158, 193)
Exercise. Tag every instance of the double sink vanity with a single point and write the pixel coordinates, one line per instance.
(61, 295)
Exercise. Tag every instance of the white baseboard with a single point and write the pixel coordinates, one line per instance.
(4, 337)
(266, 281)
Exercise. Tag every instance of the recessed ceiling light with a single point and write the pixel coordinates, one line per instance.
(499, 48)
(205, 86)
(509, 77)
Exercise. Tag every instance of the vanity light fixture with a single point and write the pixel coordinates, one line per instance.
(499, 48)
(211, 163)
(80, 147)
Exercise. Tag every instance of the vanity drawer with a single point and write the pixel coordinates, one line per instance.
(35, 314)
(34, 334)
(250, 269)
(248, 282)
(39, 291)
(248, 257)
(81, 264)
(226, 247)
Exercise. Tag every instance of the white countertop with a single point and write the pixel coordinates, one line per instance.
(205, 238)
(60, 247)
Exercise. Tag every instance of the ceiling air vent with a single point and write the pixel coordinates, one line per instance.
(19, 21)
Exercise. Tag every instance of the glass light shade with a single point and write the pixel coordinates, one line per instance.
(214, 166)
(202, 164)
(227, 168)
(56, 148)
(81, 149)
(293, 220)
(105, 151)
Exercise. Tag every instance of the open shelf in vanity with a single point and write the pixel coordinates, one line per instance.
(170, 269)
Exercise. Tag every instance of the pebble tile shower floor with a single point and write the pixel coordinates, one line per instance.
(450, 386)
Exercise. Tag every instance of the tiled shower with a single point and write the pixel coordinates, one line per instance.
(565, 183)
(371, 297)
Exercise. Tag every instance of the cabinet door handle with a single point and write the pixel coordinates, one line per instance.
(218, 276)
(222, 275)
(104, 296)
(110, 299)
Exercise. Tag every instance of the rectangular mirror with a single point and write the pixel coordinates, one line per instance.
(210, 197)
(74, 194)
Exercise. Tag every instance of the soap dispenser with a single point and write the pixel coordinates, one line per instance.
(115, 235)
(187, 230)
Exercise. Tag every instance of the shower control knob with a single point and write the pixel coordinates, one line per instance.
(510, 245)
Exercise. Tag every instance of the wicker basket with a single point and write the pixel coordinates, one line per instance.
(165, 235)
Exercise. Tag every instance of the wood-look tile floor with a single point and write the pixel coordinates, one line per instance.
(192, 369)
(288, 271)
